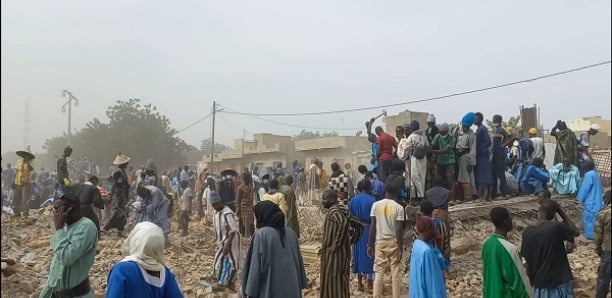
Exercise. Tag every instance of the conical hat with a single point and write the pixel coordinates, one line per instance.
(121, 159)
(27, 153)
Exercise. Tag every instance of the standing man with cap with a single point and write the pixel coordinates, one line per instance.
(22, 183)
(119, 194)
(62, 169)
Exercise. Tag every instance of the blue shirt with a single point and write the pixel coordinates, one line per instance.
(426, 271)
(128, 279)
(500, 136)
(378, 189)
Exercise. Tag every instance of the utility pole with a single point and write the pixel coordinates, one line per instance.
(212, 134)
(243, 137)
(69, 104)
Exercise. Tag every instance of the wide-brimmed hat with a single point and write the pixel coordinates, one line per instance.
(27, 153)
(121, 159)
(229, 171)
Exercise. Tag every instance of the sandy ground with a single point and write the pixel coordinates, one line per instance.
(26, 241)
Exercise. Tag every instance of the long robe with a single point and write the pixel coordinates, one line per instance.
(565, 183)
(156, 210)
(404, 154)
(567, 146)
(244, 208)
(590, 194)
(314, 183)
(335, 265)
(503, 272)
(361, 207)
(418, 167)
(292, 212)
(467, 141)
(225, 224)
(271, 269)
(426, 271)
(483, 168)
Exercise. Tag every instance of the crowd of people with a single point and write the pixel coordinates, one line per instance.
(366, 221)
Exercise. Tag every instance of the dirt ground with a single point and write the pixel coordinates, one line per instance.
(26, 241)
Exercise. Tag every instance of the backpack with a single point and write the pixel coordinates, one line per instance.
(419, 151)
(355, 228)
(226, 190)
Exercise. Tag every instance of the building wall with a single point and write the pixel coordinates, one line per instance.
(599, 141)
(350, 142)
(404, 118)
(330, 155)
(583, 124)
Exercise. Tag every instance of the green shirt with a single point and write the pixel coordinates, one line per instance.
(74, 252)
(443, 142)
(502, 270)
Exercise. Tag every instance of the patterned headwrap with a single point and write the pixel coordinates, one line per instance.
(468, 119)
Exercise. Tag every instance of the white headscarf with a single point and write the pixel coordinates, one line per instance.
(145, 245)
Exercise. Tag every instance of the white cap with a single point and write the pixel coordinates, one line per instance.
(431, 119)
(594, 126)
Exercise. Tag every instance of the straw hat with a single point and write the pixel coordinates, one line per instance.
(27, 153)
(121, 159)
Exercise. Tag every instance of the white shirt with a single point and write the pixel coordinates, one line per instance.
(387, 212)
(538, 147)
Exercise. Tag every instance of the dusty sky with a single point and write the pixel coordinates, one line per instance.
(289, 56)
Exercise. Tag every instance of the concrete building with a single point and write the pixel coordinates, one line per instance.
(600, 141)
(265, 150)
(404, 118)
(341, 149)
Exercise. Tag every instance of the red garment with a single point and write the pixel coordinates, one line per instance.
(106, 196)
(386, 143)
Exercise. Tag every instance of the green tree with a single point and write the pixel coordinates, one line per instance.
(306, 134)
(136, 129)
(205, 146)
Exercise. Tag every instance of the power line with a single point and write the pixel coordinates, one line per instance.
(233, 127)
(424, 99)
(195, 123)
(232, 111)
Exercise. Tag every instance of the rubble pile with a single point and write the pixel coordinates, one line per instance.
(26, 253)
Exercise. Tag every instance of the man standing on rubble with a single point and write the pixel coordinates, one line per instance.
(119, 193)
(544, 250)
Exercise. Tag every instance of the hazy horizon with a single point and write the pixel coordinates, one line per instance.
(275, 56)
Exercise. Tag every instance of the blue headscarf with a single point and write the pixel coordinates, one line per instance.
(414, 125)
(468, 119)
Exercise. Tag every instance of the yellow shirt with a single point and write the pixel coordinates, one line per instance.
(23, 172)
